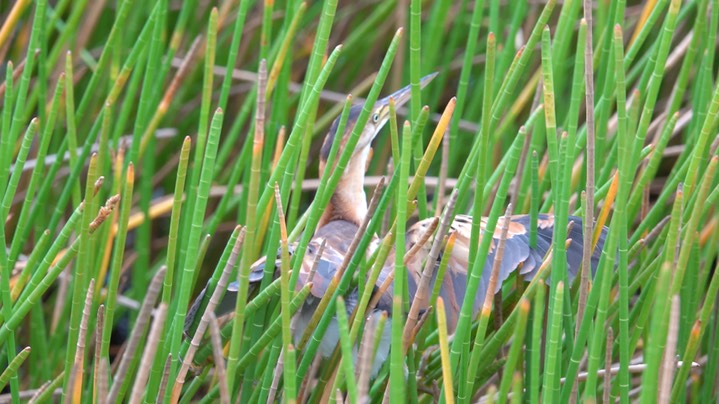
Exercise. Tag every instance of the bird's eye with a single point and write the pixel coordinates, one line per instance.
(375, 118)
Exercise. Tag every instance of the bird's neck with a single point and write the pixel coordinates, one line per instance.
(349, 201)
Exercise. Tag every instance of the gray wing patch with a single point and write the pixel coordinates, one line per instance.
(227, 304)
(517, 254)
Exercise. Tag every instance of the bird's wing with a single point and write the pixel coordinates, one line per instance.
(227, 303)
(327, 266)
(336, 237)
(517, 254)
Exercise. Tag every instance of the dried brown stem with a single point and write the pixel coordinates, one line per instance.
(365, 360)
(148, 356)
(143, 318)
(489, 297)
(608, 365)
(75, 384)
(666, 372)
(184, 65)
(345, 262)
(423, 238)
(163, 381)
(50, 384)
(219, 359)
(102, 382)
(276, 378)
(204, 322)
(99, 325)
(589, 192)
(421, 298)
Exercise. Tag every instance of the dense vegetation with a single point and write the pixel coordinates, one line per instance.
(144, 146)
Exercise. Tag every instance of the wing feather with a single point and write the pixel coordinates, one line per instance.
(517, 254)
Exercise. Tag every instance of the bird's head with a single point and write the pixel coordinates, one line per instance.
(376, 121)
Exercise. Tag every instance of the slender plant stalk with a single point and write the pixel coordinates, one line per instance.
(80, 273)
(115, 93)
(191, 260)
(443, 346)
(74, 394)
(122, 379)
(111, 300)
(509, 375)
(13, 367)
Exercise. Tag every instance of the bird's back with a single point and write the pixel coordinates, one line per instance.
(336, 237)
(518, 254)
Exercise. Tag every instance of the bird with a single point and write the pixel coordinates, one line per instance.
(343, 216)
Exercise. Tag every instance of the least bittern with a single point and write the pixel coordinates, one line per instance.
(344, 214)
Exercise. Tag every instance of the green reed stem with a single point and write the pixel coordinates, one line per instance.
(534, 347)
(186, 280)
(465, 73)
(156, 373)
(514, 351)
(81, 272)
(397, 386)
(346, 345)
(482, 163)
(463, 325)
(551, 373)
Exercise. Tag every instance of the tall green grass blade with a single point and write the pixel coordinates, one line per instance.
(81, 271)
(186, 280)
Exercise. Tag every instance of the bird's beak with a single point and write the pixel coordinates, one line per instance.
(376, 121)
(400, 98)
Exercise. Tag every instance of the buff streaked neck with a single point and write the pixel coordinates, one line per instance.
(349, 201)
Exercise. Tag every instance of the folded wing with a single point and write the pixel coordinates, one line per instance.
(518, 255)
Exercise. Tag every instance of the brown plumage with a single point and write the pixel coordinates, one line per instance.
(518, 255)
(348, 207)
